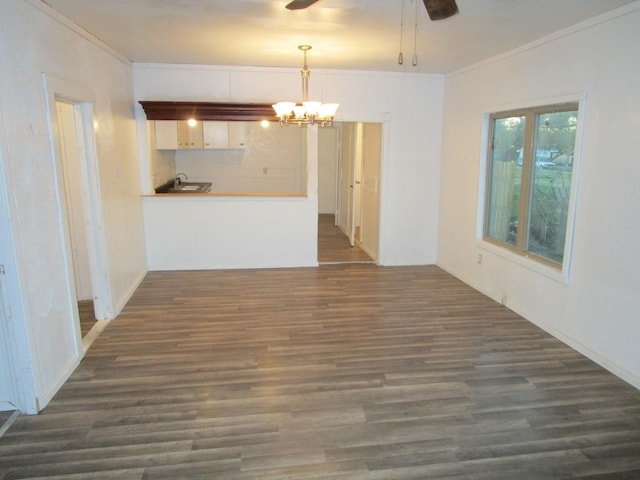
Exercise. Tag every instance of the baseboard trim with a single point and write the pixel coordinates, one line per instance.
(14, 416)
(122, 301)
(530, 316)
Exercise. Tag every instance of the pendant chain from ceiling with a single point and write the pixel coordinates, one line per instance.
(400, 57)
(415, 36)
(415, 33)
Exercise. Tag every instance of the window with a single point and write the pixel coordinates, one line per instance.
(529, 173)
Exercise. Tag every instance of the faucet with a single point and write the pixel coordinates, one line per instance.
(177, 181)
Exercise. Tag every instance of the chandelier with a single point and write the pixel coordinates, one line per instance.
(308, 112)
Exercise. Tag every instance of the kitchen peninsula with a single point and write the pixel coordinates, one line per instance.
(257, 189)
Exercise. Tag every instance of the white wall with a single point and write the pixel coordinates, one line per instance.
(33, 42)
(16, 374)
(327, 170)
(409, 104)
(192, 233)
(273, 160)
(597, 310)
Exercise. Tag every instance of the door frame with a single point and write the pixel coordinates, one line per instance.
(369, 187)
(384, 120)
(68, 129)
(91, 198)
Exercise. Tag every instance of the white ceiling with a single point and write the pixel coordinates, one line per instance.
(345, 34)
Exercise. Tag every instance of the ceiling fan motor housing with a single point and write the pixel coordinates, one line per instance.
(440, 9)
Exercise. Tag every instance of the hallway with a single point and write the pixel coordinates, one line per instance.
(333, 244)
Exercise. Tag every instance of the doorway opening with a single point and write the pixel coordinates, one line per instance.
(349, 173)
(79, 215)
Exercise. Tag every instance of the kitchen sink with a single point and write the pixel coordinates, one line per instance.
(184, 187)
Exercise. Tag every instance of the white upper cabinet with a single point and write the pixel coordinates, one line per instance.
(216, 134)
(189, 135)
(179, 135)
(224, 134)
(166, 134)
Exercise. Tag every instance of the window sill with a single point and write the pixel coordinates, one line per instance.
(555, 274)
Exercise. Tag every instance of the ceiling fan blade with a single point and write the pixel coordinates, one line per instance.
(440, 9)
(300, 4)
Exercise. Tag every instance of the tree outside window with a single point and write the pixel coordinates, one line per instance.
(530, 167)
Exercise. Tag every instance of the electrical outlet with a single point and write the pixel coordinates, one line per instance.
(479, 258)
(503, 300)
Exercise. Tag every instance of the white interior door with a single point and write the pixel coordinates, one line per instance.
(357, 176)
(73, 188)
(370, 188)
(346, 220)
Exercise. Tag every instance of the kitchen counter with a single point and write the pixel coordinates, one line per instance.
(176, 186)
(218, 230)
(224, 194)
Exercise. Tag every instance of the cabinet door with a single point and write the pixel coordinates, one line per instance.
(237, 134)
(166, 134)
(216, 134)
(189, 136)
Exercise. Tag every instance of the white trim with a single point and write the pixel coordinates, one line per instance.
(63, 220)
(524, 261)
(57, 89)
(531, 316)
(317, 72)
(122, 301)
(93, 334)
(45, 397)
(92, 200)
(382, 118)
(337, 167)
(560, 275)
(12, 418)
(53, 90)
(383, 210)
(6, 406)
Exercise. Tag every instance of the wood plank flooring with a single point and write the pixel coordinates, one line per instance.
(333, 245)
(87, 316)
(338, 372)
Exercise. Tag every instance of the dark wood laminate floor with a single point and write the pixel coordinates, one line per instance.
(333, 245)
(337, 372)
(87, 316)
(5, 416)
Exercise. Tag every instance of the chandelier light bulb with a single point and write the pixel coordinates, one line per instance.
(309, 112)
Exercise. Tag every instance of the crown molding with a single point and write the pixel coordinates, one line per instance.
(207, 111)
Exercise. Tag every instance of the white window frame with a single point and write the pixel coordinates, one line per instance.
(528, 260)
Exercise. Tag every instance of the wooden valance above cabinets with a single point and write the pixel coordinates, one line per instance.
(207, 111)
